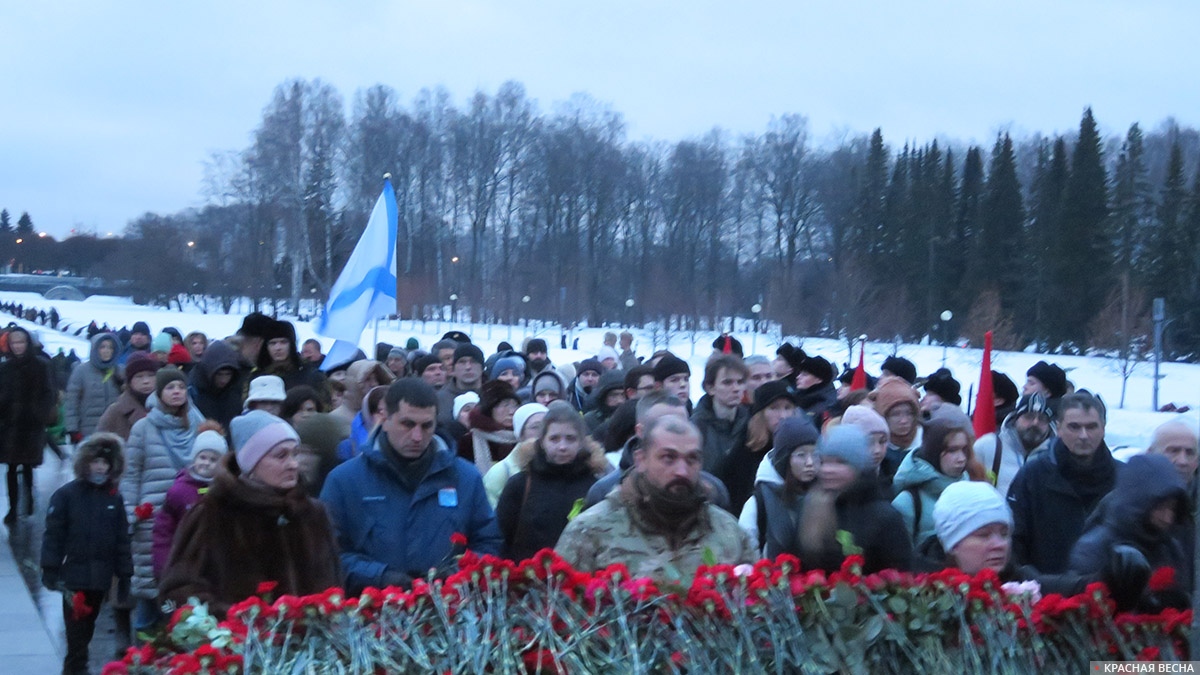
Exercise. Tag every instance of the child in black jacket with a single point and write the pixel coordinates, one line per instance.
(87, 542)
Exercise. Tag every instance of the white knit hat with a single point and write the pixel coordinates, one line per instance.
(966, 506)
(210, 441)
(866, 419)
(463, 400)
(522, 415)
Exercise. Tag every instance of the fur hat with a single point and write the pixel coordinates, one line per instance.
(256, 324)
(727, 344)
(100, 445)
(254, 435)
(493, 393)
(942, 383)
(817, 366)
(866, 419)
(166, 376)
(966, 506)
(769, 392)
(140, 362)
(670, 365)
(459, 337)
(892, 391)
(466, 350)
(900, 367)
(847, 444)
(792, 354)
(1004, 388)
(463, 400)
(1051, 376)
(266, 388)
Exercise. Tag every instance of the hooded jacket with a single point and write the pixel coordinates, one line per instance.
(120, 417)
(382, 525)
(242, 534)
(181, 496)
(872, 525)
(918, 475)
(92, 387)
(1146, 482)
(87, 539)
(1047, 486)
(1012, 452)
(613, 380)
(221, 405)
(720, 436)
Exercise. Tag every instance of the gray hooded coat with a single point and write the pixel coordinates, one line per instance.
(94, 385)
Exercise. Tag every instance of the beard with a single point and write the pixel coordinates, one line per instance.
(1032, 437)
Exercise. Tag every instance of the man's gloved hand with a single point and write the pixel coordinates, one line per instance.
(50, 579)
(1126, 575)
(394, 578)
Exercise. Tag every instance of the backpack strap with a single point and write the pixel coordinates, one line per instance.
(521, 510)
(761, 505)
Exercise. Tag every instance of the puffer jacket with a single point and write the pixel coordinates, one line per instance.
(87, 542)
(150, 471)
(917, 475)
(92, 387)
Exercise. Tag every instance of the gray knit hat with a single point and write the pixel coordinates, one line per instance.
(846, 444)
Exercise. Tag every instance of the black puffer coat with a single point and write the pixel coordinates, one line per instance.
(28, 403)
(87, 537)
(224, 404)
(533, 508)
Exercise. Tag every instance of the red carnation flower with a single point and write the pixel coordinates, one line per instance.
(79, 606)
(1162, 579)
(458, 539)
(143, 511)
(265, 587)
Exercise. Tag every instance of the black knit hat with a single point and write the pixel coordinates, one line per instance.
(819, 367)
(942, 383)
(670, 365)
(792, 433)
(424, 361)
(589, 364)
(140, 327)
(1050, 375)
(458, 336)
(166, 376)
(901, 367)
(536, 345)
(468, 350)
(769, 392)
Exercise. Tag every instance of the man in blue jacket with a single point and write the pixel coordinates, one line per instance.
(397, 505)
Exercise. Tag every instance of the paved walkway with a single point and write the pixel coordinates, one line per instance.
(25, 645)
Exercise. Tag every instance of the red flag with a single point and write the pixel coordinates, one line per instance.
(860, 373)
(727, 348)
(984, 419)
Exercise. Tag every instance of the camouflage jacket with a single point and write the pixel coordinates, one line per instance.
(606, 534)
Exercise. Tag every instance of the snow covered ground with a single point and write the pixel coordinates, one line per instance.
(1131, 426)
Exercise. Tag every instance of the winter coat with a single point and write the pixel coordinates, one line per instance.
(717, 494)
(383, 525)
(28, 403)
(916, 475)
(600, 413)
(518, 460)
(92, 388)
(294, 375)
(86, 542)
(150, 471)
(739, 473)
(720, 436)
(1012, 453)
(895, 455)
(1050, 503)
(181, 496)
(221, 405)
(120, 417)
(608, 533)
(817, 401)
(1144, 483)
(445, 398)
(487, 442)
(579, 399)
(241, 534)
(533, 508)
(863, 512)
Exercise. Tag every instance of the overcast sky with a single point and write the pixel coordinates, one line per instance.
(110, 109)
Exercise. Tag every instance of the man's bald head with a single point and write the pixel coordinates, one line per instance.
(1179, 442)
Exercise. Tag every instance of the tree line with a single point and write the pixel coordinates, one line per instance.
(1057, 241)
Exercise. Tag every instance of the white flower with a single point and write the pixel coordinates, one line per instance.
(1029, 588)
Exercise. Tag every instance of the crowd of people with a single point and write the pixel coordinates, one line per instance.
(206, 467)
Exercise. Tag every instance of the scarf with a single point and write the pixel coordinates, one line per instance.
(410, 472)
(660, 511)
(1092, 480)
(177, 434)
(481, 442)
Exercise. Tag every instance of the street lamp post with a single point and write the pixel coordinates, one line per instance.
(629, 311)
(754, 309)
(945, 316)
(453, 307)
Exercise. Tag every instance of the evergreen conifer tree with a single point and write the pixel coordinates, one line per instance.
(996, 260)
(5, 222)
(25, 224)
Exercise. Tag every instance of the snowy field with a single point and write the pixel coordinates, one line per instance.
(1129, 427)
